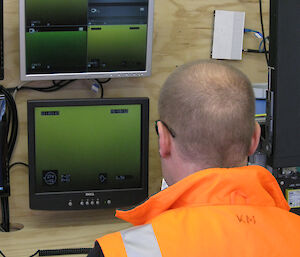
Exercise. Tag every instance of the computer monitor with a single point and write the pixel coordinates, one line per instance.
(88, 153)
(85, 39)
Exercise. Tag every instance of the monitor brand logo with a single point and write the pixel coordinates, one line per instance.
(89, 194)
(118, 111)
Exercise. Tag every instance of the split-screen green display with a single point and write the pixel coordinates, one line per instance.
(85, 36)
(87, 147)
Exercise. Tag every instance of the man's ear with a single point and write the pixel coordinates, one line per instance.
(255, 139)
(164, 140)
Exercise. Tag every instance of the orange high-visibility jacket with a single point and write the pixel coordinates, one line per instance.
(236, 212)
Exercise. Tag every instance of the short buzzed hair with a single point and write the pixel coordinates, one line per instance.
(210, 106)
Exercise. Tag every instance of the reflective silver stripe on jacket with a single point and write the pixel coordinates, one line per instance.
(140, 241)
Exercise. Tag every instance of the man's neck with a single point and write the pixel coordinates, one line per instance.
(178, 168)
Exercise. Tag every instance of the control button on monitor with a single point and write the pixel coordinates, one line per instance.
(108, 201)
(81, 203)
(70, 203)
(123, 177)
(120, 177)
(92, 202)
(87, 202)
(50, 177)
(65, 178)
(102, 178)
(97, 202)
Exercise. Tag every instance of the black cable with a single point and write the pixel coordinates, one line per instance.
(247, 50)
(57, 86)
(263, 32)
(2, 254)
(102, 90)
(103, 82)
(62, 252)
(5, 214)
(13, 126)
(54, 87)
(11, 119)
(17, 163)
(35, 253)
(101, 86)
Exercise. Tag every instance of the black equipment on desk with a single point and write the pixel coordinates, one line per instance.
(88, 153)
(289, 182)
(282, 144)
(283, 109)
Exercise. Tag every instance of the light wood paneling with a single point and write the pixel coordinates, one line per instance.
(182, 33)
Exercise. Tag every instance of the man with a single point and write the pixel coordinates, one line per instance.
(215, 205)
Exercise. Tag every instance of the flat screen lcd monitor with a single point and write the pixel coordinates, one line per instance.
(82, 39)
(88, 153)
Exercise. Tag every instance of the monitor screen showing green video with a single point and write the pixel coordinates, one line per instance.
(86, 36)
(84, 148)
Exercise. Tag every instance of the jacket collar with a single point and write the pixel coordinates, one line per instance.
(249, 185)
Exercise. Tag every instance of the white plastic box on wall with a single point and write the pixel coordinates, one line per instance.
(228, 35)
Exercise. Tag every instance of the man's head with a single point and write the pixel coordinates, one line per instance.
(210, 108)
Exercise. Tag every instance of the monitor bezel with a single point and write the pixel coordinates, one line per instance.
(83, 75)
(62, 200)
(1, 42)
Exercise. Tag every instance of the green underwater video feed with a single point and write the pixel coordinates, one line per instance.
(80, 148)
(85, 36)
(56, 51)
(40, 13)
(124, 47)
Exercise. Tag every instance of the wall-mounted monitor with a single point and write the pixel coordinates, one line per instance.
(88, 153)
(85, 39)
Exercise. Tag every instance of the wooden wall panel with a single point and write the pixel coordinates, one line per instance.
(182, 33)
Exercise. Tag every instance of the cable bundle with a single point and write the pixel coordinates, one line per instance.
(11, 119)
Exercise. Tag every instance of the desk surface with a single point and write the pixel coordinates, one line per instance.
(57, 230)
